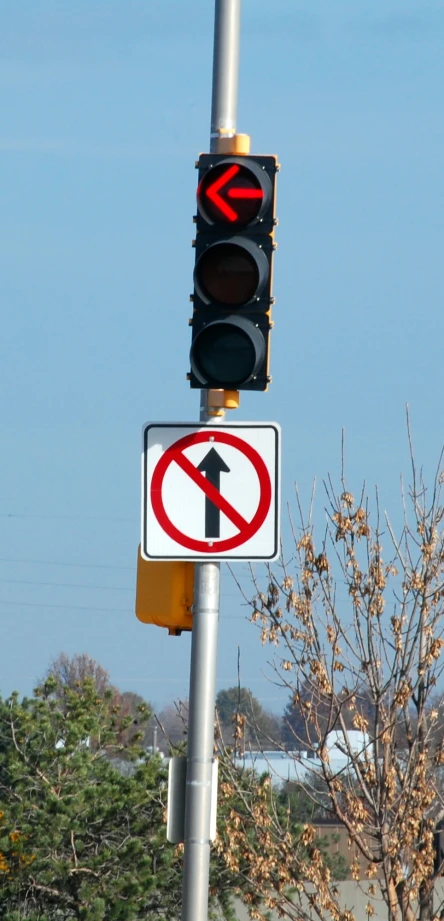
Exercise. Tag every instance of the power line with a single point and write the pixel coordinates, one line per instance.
(63, 607)
(10, 559)
(27, 562)
(67, 517)
(108, 588)
(74, 607)
(76, 565)
(82, 585)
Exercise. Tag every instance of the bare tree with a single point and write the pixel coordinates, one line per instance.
(360, 638)
(71, 672)
(173, 722)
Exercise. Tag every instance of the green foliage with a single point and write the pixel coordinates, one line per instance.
(78, 839)
(82, 815)
(258, 726)
(311, 805)
(307, 803)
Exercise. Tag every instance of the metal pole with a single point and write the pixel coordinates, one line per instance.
(200, 743)
(225, 70)
(202, 699)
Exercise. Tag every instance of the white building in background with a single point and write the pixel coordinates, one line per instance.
(297, 766)
(356, 740)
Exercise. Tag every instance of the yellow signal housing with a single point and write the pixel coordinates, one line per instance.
(165, 593)
(238, 144)
(220, 400)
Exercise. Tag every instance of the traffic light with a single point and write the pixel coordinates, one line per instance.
(233, 272)
(165, 593)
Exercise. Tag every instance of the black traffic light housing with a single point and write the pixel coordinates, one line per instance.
(233, 272)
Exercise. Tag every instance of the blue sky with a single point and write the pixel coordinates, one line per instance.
(105, 107)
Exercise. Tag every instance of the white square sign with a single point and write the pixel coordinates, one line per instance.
(210, 491)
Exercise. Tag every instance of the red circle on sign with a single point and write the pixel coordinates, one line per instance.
(245, 533)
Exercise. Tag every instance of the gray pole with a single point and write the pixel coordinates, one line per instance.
(225, 70)
(202, 699)
(200, 742)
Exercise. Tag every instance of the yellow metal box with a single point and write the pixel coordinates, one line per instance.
(165, 593)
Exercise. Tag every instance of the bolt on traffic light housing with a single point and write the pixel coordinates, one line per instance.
(233, 272)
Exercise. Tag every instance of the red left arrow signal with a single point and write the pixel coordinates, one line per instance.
(213, 193)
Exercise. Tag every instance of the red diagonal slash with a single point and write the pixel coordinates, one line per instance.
(210, 491)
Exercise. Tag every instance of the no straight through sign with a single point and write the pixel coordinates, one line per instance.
(210, 492)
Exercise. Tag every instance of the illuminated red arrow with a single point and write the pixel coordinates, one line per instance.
(220, 203)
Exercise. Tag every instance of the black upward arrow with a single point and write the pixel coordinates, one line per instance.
(212, 465)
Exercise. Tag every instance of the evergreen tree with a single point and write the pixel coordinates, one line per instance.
(81, 838)
(77, 838)
(238, 704)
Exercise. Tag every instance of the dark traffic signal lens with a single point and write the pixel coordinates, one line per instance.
(227, 352)
(228, 274)
(232, 272)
